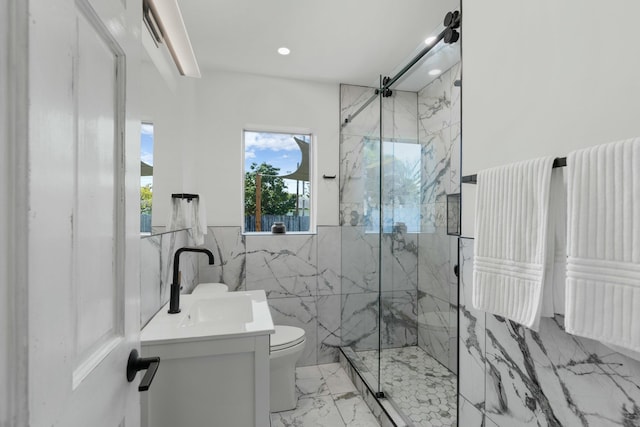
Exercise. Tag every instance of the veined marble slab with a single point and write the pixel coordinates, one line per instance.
(282, 265)
(546, 378)
(228, 247)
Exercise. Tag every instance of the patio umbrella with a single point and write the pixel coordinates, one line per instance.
(302, 173)
(145, 169)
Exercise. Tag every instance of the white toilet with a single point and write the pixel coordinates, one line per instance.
(287, 344)
(286, 347)
(203, 289)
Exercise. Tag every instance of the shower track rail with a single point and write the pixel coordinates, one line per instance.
(450, 35)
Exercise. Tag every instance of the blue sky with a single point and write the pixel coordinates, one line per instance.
(146, 151)
(146, 144)
(277, 149)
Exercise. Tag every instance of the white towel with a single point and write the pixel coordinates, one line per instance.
(603, 245)
(512, 209)
(192, 215)
(199, 221)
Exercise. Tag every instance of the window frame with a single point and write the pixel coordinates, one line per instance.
(153, 136)
(312, 174)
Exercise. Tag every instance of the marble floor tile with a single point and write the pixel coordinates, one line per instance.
(420, 387)
(336, 378)
(317, 411)
(354, 411)
(309, 382)
(319, 406)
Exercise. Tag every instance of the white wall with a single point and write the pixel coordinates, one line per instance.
(5, 318)
(198, 130)
(13, 212)
(169, 108)
(544, 78)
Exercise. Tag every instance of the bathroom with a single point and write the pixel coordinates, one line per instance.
(538, 79)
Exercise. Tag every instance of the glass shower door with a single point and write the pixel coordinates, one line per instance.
(360, 225)
(420, 133)
(399, 168)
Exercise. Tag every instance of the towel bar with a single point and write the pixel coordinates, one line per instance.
(559, 162)
(187, 196)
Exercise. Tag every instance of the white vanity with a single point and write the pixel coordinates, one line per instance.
(214, 362)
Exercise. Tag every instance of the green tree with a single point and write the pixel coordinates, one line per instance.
(275, 198)
(146, 195)
(402, 180)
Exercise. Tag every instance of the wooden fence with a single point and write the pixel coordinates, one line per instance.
(293, 223)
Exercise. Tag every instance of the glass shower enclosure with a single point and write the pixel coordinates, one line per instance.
(399, 204)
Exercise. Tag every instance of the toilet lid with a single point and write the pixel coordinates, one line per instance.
(286, 336)
(210, 288)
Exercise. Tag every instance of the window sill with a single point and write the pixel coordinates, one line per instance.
(288, 233)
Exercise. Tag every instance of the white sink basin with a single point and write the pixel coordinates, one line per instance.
(206, 317)
(232, 309)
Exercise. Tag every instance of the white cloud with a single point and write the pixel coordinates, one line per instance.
(147, 158)
(147, 129)
(269, 141)
(250, 154)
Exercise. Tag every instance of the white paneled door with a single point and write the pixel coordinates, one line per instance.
(83, 212)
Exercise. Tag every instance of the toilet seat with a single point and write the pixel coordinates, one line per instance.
(209, 288)
(286, 337)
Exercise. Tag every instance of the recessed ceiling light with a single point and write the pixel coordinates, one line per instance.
(284, 51)
(430, 40)
(435, 72)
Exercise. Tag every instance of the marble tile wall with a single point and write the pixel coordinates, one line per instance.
(156, 270)
(512, 376)
(300, 274)
(367, 122)
(439, 135)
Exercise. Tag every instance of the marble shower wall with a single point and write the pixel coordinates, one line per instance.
(300, 274)
(360, 241)
(156, 270)
(439, 135)
(511, 376)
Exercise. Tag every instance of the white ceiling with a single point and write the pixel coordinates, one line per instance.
(339, 41)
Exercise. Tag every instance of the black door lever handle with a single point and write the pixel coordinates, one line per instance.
(137, 363)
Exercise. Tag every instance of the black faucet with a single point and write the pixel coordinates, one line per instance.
(174, 303)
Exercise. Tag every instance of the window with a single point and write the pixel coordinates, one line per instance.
(400, 189)
(277, 181)
(146, 176)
